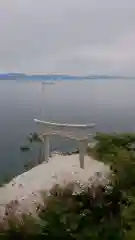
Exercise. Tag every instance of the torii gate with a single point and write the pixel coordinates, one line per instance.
(72, 131)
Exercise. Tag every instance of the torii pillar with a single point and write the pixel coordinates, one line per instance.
(46, 148)
(82, 151)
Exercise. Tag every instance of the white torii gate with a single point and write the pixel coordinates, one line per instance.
(72, 131)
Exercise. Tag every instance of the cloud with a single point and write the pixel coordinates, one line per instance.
(67, 36)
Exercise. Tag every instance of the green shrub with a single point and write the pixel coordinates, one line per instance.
(95, 213)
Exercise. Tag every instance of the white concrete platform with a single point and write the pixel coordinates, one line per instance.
(26, 187)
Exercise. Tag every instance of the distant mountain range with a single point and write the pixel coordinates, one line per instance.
(22, 76)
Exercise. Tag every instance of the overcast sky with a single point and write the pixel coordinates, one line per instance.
(67, 36)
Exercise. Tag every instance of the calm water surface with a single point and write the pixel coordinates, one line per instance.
(108, 103)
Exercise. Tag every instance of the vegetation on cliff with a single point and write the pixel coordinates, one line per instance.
(98, 212)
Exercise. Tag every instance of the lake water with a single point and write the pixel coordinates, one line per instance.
(108, 103)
